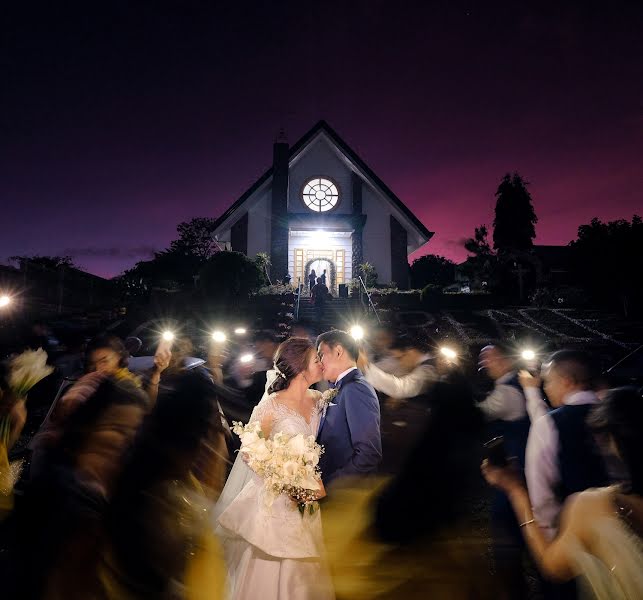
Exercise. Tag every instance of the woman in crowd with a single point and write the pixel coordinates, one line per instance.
(601, 532)
(159, 541)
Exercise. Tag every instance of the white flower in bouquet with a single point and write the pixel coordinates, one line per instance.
(288, 464)
(26, 370)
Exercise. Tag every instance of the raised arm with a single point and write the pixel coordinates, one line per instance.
(408, 386)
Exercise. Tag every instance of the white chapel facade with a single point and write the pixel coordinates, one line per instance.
(321, 207)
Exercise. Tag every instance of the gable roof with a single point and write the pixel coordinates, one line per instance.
(324, 127)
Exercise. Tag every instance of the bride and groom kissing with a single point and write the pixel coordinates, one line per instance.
(272, 551)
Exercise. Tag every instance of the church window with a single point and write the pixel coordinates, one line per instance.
(320, 194)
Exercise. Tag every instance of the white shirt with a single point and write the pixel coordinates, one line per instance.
(541, 459)
(344, 373)
(504, 402)
(408, 386)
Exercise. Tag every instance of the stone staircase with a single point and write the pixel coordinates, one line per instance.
(339, 313)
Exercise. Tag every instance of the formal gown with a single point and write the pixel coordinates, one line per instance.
(273, 552)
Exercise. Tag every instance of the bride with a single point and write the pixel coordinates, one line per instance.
(274, 552)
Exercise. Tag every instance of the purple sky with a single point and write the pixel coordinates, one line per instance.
(122, 122)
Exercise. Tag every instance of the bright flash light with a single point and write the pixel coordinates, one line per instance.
(448, 353)
(357, 332)
(528, 355)
(5, 301)
(246, 358)
(218, 336)
(168, 336)
(240, 331)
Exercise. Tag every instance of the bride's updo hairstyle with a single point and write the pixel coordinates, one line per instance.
(292, 357)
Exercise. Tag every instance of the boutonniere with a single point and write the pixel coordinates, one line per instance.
(327, 397)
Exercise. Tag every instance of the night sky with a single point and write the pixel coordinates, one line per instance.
(118, 122)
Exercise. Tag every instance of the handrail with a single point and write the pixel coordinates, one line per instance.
(298, 298)
(370, 301)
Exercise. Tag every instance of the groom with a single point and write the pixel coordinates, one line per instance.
(350, 428)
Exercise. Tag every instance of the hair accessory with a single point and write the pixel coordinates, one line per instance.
(277, 371)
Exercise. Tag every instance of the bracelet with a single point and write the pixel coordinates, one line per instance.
(528, 522)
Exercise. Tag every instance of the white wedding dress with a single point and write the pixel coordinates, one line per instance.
(272, 552)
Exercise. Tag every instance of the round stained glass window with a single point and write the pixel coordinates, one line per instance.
(320, 194)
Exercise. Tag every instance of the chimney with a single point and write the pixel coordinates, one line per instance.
(279, 222)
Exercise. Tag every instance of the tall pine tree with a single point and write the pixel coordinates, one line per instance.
(514, 225)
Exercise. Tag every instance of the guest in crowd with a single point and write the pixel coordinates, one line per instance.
(505, 407)
(160, 541)
(57, 522)
(562, 455)
(413, 536)
(599, 534)
(414, 359)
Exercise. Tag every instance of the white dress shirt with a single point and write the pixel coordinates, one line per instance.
(541, 459)
(407, 386)
(504, 402)
(343, 374)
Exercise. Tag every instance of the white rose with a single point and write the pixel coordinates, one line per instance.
(260, 450)
(311, 458)
(289, 469)
(297, 445)
(249, 438)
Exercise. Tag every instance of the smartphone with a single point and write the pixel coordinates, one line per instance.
(496, 452)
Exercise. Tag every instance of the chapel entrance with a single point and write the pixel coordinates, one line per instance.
(319, 265)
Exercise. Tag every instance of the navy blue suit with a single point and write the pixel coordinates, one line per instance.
(350, 431)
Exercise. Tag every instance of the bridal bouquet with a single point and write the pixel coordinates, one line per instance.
(26, 370)
(288, 464)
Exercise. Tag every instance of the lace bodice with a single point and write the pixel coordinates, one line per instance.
(285, 419)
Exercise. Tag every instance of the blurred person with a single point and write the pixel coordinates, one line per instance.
(562, 456)
(320, 295)
(107, 354)
(506, 409)
(323, 277)
(600, 532)
(312, 280)
(350, 429)
(274, 551)
(413, 359)
(381, 343)
(413, 535)
(405, 410)
(158, 541)
(57, 522)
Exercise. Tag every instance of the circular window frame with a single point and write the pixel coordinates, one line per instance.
(320, 212)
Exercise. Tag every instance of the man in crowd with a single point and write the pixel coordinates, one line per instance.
(562, 456)
(505, 407)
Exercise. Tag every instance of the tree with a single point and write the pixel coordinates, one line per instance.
(478, 245)
(195, 239)
(432, 269)
(263, 262)
(480, 268)
(369, 274)
(49, 262)
(176, 267)
(514, 225)
(608, 258)
(230, 277)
